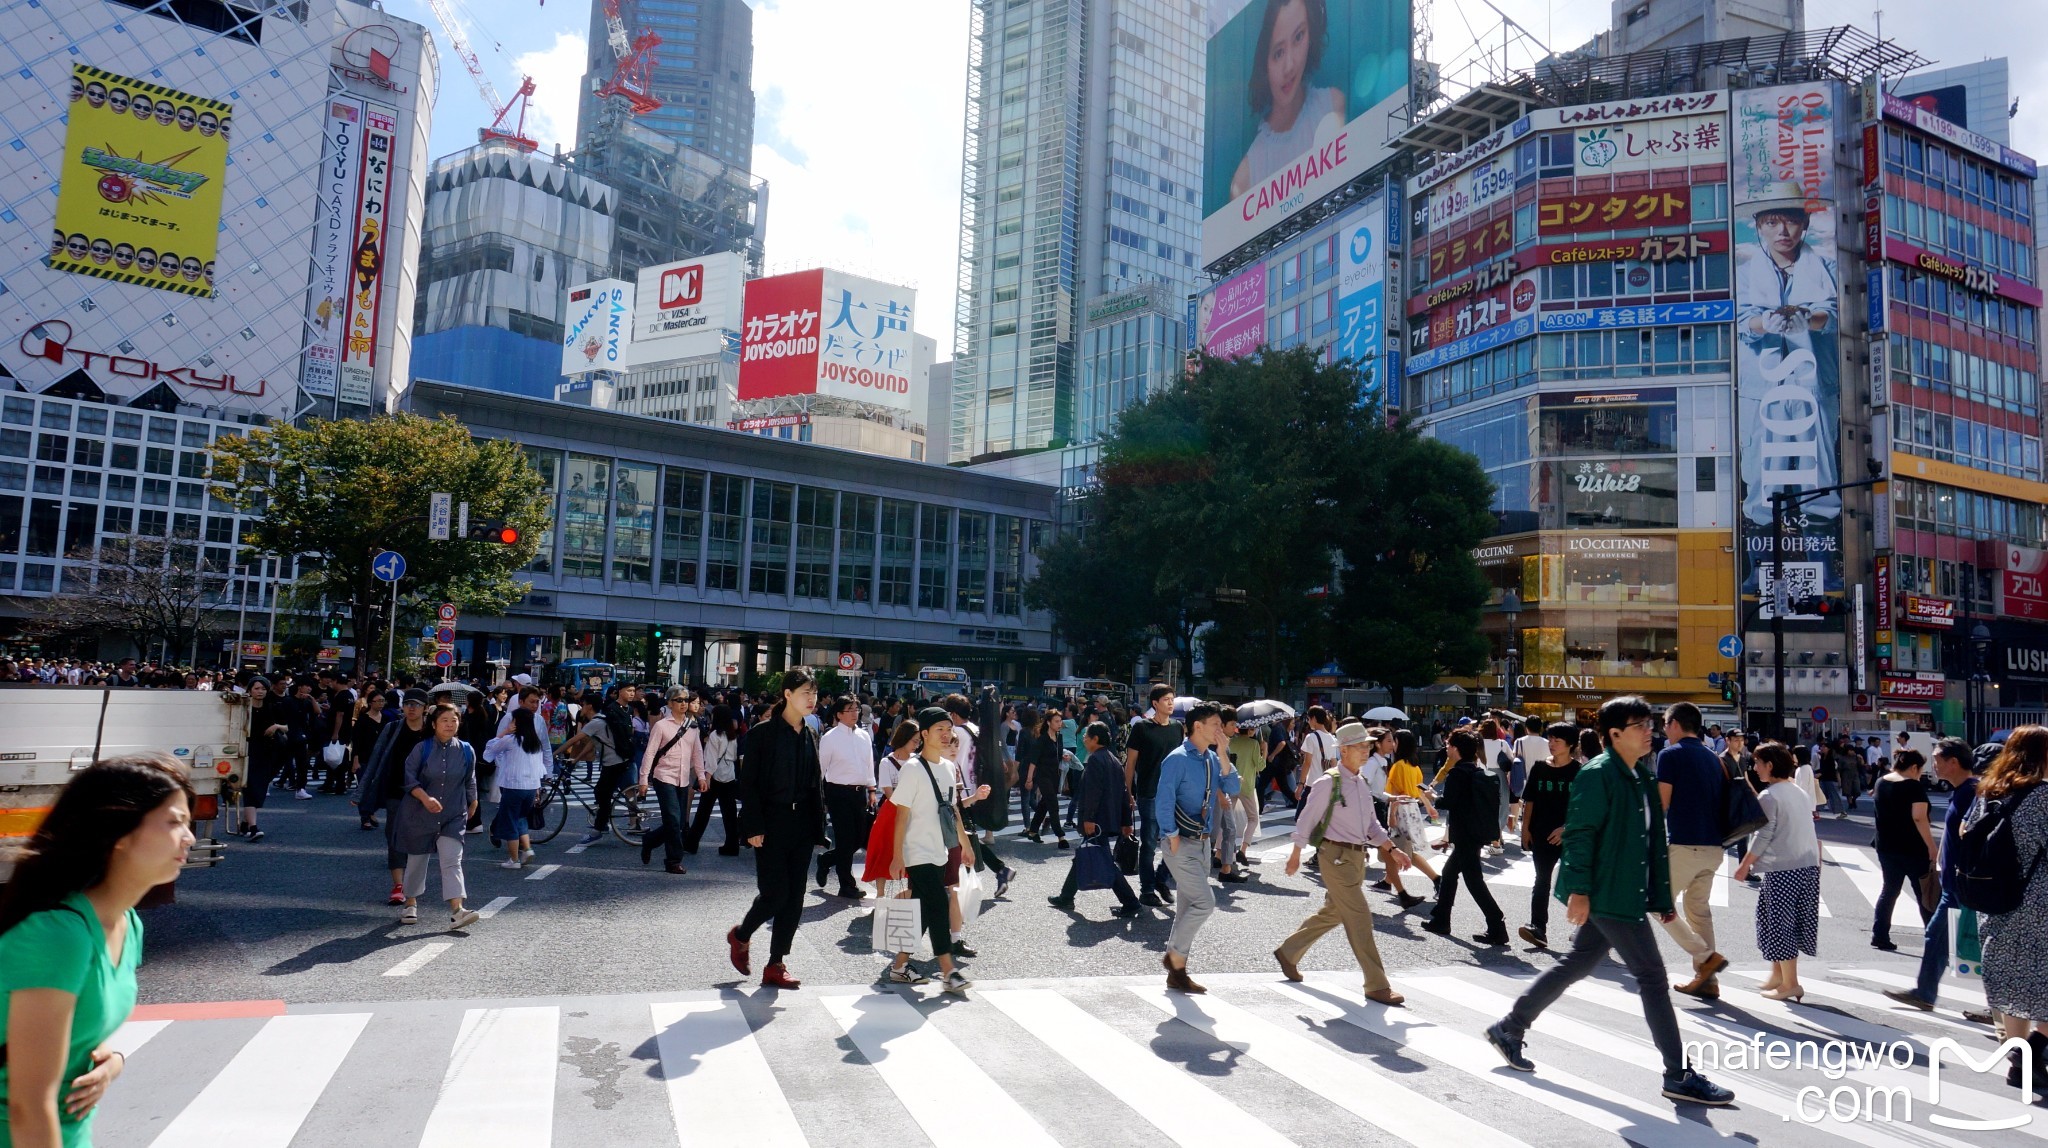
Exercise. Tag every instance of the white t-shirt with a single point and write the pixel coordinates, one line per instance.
(1533, 749)
(1318, 751)
(1375, 770)
(918, 803)
(1489, 755)
(886, 771)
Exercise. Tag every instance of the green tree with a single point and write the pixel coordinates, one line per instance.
(1093, 597)
(1412, 592)
(339, 492)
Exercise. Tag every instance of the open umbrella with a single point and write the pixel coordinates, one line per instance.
(1385, 713)
(1264, 712)
(1181, 706)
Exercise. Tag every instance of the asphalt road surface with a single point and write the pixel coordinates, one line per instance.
(283, 1004)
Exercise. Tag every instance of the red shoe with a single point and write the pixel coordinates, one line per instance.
(737, 950)
(776, 976)
(397, 896)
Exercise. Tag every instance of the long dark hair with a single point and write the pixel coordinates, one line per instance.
(99, 806)
(1259, 89)
(1405, 746)
(522, 728)
(721, 720)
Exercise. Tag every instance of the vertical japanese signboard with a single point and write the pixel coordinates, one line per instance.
(779, 336)
(334, 244)
(1361, 290)
(1230, 319)
(1788, 333)
(864, 341)
(366, 265)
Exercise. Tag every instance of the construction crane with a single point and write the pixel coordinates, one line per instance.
(516, 135)
(630, 79)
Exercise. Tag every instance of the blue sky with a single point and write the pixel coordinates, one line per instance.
(860, 105)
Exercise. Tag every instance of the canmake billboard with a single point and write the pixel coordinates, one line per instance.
(1298, 97)
(827, 332)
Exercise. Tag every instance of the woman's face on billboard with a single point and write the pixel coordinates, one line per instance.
(1288, 57)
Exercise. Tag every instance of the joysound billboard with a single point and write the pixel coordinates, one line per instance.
(1298, 95)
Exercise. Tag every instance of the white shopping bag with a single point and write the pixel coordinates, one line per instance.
(898, 924)
(969, 894)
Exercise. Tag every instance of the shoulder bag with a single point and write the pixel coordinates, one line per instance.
(1741, 813)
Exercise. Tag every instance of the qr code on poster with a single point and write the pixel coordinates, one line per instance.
(1802, 580)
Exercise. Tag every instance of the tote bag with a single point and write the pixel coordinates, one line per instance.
(1093, 867)
(898, 924)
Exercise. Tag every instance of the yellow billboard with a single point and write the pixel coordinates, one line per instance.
(139, 190)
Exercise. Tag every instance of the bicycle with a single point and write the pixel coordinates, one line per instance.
(633, 817)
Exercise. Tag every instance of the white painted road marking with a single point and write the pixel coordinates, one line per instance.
(955, 1102)
(263, 1095)
(418, 960)
(541, 874)
(500, 1084)
(720, 1089)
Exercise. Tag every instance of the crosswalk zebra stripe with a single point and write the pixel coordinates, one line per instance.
(1862, 870)
(1562, 1092)
(500, 1083)
(1766, 1095)
(1871, 1000)
(1960, 988)
(263, 1095)
(418, 960)
(134, 1034)
(1970, 1101)
(720, 1088)
(954, 1101)
(1395, 1109)
(492, 909)
(1166, 1097)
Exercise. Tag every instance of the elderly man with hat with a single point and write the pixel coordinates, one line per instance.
(381, 785)
(1788, 324)
(1338, 821)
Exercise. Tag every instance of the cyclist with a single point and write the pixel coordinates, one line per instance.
(601, 741)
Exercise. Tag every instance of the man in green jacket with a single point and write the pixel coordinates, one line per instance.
(1614, 872)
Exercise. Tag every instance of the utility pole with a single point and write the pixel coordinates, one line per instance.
(1782, 503)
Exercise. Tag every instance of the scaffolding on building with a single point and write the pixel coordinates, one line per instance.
(675, 202)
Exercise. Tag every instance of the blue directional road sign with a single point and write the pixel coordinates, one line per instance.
(1730, 647)
(388, 566)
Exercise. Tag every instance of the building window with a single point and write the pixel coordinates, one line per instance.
(768, 569)
(727, 518)
(857, 547)
(682, 525)
(1009, 573)
(814, 511)
(633, 491)
(549, 464)
(934, 556)
(583, 516)
(899, 549)
(971, 594)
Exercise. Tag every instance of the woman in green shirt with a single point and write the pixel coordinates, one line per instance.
(70, 941)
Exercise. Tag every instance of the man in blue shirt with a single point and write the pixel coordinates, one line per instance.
(1192, 790)
(1689, 778)
(1954, 764)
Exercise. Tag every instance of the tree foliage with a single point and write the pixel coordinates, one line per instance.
(342, 491)
(149, 591)
(1238, 501)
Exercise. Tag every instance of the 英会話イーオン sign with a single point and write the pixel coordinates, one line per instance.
(139, 189)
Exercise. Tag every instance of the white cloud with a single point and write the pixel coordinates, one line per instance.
(857, 131)
(557, 73)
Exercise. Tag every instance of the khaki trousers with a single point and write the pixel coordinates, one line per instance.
(1343, 904)
(1692, 883)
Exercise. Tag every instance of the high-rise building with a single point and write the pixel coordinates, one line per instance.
(1081, 170)
(507, 232)
(703, 73)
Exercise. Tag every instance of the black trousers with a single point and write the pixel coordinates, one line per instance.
(1048, 811)
(609, 779)
(1901, 870)
(724, 793)
(847, 807)
(1464, 863)
(779, 872)
(1546, 856)
(928, 885)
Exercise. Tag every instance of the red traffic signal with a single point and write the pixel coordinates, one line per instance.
(509, 535)
(500, 533)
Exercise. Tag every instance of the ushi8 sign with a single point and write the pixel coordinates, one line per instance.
(827, 332)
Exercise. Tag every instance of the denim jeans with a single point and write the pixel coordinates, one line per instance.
(675, 807)
(1636, 944)
(1834, 796)
(1150, 870)
(1934, 952)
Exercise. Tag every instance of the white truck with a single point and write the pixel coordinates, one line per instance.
(47, 733)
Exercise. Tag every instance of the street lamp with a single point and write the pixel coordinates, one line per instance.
(1511, 606)
(1980, 645)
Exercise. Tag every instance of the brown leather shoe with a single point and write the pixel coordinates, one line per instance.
(1387, 997)
(776, 976)
(1703, 987)
(1287, 968)
(736, 951)
(1178, 979)
(1713, 964)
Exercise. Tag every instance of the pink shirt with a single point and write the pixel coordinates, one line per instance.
(681, 766)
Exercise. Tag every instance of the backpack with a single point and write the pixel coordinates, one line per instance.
(1989, 879)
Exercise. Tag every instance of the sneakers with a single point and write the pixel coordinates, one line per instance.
(508, 863)
(956, 983)
(590, 837)
(410, 915)
(526, 854)
(254, 835)
(736, 951)
(907, 975)
(961, 950)
(397, 896)
(1533, 936)
(1696, 1089)
(463, 919)
(1003, 880)
(302, 795)
(1510, 1048)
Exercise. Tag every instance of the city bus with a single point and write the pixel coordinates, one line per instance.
(938, 681)
(1082, 689)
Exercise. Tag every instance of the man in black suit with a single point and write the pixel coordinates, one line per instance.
(1105, 815)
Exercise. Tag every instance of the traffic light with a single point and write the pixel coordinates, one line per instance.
(1814, 606)
(334, 627)
(495, 531)
(659, 633)
(1727, 688)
